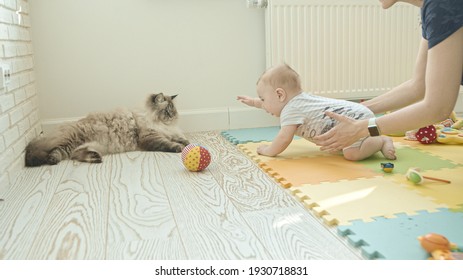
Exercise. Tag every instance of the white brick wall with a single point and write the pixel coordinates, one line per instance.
(19, 121)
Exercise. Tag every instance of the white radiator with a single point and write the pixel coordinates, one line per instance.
(349, 49)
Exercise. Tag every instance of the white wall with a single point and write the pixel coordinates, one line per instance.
(19, 120)
(93, 55)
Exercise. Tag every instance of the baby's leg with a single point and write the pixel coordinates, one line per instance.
(369, 146)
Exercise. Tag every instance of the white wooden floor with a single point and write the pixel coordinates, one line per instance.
(143, 205)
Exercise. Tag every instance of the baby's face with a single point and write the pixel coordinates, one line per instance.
(269, 97)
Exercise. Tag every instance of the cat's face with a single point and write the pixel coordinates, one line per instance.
(162, 107)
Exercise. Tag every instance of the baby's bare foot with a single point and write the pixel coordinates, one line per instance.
(388, 148)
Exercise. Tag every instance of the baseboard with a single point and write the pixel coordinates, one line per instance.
(224, 118)
(216, 119)
(200, 120)
(250, 118)
(203, 120)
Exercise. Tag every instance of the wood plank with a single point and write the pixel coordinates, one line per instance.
(247, 186)
(264, 203)
(291, 234)
(23, 208)
(141, 223)
(75, 225)
(208, 222)
(153, 249)
(148, 206)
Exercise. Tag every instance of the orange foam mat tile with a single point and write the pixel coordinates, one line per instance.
(341, 202)
(298, 148)
(316, 170)
(449, 194)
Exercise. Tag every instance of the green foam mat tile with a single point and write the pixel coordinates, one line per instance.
(408, 157)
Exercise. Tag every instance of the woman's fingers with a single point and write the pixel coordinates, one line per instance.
(336, 138)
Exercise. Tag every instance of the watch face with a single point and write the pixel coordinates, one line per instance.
(373, 131)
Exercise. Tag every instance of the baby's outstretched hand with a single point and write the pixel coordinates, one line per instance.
(253, 102)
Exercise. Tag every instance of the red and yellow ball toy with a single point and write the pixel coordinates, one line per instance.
(195, 157)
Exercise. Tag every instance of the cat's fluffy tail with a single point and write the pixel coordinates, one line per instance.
(38, 150)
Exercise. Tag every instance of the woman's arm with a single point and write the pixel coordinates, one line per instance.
(444, 68)
(406, 93)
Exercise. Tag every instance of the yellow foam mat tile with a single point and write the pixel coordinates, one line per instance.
(403, 141)
(449, 194)
(298, 148)
(341, 202)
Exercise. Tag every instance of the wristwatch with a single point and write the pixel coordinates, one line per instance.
(373, 128)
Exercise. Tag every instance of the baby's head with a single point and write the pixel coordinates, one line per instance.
(282, 76)
(277, 86)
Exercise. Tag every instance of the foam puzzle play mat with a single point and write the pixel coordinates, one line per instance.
(389, 209)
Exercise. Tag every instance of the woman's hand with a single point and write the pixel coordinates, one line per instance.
(344, 134)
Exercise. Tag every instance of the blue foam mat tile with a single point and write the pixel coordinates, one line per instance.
(371, 253)
(356, 241)
(396, 238)
(245, 135)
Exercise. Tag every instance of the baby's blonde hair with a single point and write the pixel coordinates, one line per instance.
(282, 76)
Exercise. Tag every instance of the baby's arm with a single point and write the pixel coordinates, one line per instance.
(253, 102)
(280, 143)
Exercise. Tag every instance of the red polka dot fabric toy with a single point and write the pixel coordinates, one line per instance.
(195, 157)
(426, 135)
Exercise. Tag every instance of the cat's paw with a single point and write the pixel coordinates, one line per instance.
(94, 157)
(54, 157)
(85, 154)
(178, 148)
(174, 148)
(53, 160)
(184, 142)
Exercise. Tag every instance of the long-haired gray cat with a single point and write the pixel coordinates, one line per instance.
(99, 134)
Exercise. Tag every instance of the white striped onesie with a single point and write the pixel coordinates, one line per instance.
(308, 112)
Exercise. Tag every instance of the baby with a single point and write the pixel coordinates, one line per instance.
(303, 114)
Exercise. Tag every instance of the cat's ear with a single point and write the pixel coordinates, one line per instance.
(173, 96)
(157, 98)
